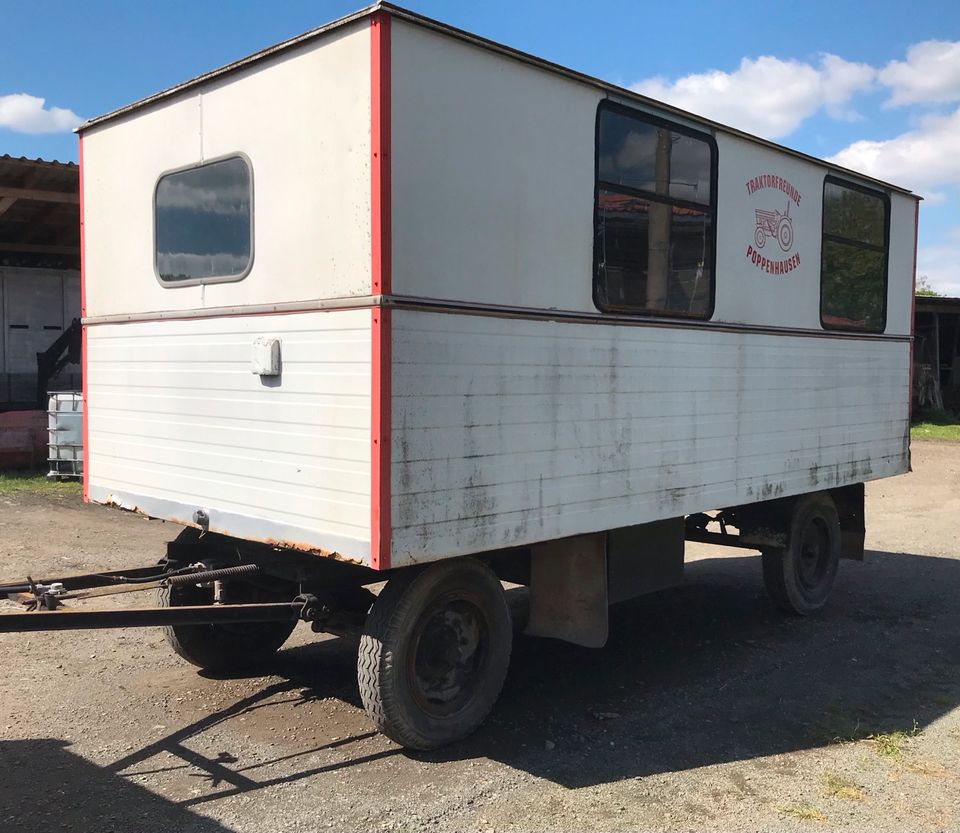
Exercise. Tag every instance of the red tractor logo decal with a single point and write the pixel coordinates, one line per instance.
(774, 224)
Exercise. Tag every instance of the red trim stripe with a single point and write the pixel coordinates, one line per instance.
(380, 251)
(913, 310)
(83, 339)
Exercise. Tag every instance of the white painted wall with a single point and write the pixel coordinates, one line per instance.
(492, 177)
(509, 431)
(303, 119)
(493, 194)
(178, 422)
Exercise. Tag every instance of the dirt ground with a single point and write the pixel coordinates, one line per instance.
(706, 710)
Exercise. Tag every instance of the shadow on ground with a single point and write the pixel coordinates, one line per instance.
(711, 673)
(704, 674)
(47, 787)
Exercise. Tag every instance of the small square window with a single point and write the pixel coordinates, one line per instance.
(203, 230)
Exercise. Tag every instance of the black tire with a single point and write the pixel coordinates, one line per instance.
(434, 653)
(226, 647)
(800, 576)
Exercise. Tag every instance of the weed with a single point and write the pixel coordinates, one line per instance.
(930, 768)
(805, 812)
(838, 728)
(891, 744)
(839, 787)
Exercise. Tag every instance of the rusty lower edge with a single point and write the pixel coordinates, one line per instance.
(234, 525)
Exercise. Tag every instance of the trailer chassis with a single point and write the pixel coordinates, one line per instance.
(45, 609)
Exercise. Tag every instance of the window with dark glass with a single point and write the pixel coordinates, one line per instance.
(202, 222)
(655, 216)
(853, 263)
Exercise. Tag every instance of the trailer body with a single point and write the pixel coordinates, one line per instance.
(423, 353)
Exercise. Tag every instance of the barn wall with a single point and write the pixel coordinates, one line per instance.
(36, 305)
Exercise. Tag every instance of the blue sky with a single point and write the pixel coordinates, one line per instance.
(875, 85)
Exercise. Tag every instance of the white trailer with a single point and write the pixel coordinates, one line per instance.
(391, 301)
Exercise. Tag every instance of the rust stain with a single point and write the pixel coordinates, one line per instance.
(280, 544)
(307, 548)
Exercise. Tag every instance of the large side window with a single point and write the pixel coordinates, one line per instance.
(853, 263)
(655, 215)
(203, 227)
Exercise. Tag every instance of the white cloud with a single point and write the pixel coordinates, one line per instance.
(27, 114)
(926, 157)
(767, 95)
(931, 74)
(939, 263)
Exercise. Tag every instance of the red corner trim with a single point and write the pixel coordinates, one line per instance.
(380, 250)
(83, 340)
(913, 309)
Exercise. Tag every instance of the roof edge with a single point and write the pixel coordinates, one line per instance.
(268, 52)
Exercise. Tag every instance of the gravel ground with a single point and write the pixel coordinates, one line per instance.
(707, 710)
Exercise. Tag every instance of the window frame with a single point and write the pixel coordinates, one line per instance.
(171, 284)
(709, 210)
(831, 179)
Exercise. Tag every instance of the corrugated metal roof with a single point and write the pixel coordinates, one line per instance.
(485, 43)
(39, 213)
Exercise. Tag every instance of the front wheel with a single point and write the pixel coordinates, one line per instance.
(800, 576)
(434, 653)
(224, 647)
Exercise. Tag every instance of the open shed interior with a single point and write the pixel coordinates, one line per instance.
(39, 279)
(936, 356)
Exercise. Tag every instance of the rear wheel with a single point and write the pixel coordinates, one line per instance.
(224, 647)
(800, 576)
(434, 653)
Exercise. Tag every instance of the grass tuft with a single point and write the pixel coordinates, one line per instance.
(805, 812)
(839, 787)
(891, 744)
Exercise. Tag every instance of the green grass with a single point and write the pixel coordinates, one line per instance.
(36, 483)
(934, 431)
(941, 425)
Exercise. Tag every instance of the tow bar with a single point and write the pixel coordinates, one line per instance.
(46, 611)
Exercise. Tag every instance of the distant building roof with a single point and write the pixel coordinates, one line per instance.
(39, 213)
(937, 303)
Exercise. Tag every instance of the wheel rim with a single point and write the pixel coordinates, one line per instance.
(785, 237)
(449, 655)
(814, 561)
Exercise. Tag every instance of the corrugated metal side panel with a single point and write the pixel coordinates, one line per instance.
(507, 431)
(177, 421)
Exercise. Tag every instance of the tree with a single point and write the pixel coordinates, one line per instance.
(924, 288)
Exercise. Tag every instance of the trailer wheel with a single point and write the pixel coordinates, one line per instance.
(434, 653)
(800, 576)
(227, 647)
